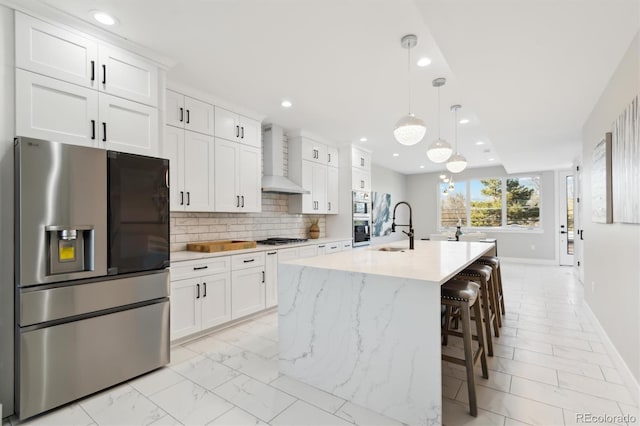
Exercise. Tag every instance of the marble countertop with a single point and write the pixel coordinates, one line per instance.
(178, 256)
(434, 261)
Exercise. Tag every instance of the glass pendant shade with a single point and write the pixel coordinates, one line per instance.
(439, 151)
(409, 130)
(456, 163)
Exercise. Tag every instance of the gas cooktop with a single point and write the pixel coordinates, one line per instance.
(276, 241)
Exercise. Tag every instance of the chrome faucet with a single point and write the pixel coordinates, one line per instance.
(410, 225)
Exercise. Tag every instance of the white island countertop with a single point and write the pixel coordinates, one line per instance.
(435, 261)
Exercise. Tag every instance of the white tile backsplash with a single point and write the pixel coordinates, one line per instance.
(273, 221)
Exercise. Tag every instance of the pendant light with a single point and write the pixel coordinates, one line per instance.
(457, 162)
(440, 150)
(409, 129)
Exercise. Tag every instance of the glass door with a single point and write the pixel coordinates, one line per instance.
(138, 213)
(567, 224)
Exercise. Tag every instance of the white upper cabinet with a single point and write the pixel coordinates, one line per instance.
(127, 75)
(128, 126)
(189, 113)
(56, 52)
(314, 151)
(360, 180)
(360, 158)
(173, 150)
(332, 156)
(198, 174)
(237, 177)
(51, 109)
(333, 190)
(235, 127)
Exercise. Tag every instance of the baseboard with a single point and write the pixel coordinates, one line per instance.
(530, 261)
(625, 372)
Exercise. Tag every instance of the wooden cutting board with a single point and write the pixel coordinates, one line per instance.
(222, 245)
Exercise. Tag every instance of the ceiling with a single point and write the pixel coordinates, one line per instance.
(527, 73)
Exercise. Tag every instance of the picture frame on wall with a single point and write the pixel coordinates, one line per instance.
(601, 188)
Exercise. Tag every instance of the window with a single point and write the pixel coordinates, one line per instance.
(512, 202)
(453, 204)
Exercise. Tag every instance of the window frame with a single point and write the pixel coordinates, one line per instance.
(503, 227)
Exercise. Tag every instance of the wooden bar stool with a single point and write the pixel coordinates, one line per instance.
(463, 296)
(494, 263)
(481, 275)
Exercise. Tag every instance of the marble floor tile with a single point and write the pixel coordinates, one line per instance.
(190, 404)
(523, 409)
(512, 422)
(308, 393)
(497, 380)
(612, 375)
(595, 387)
(450, 385)
(268, 331)
(556, 340)
(523, 369)
(571, 366)
(122, 405)
(301, 413)
(258, 345)
(561, 397)
(205, 372)
(455, 413)
(166, 421)
(237, 417)
(362, 416)
(265, 370)
(70, 415)
(180, 354)
(156, 381)
(597, 347)
(213, 348)
(263, 401)
(632, 412)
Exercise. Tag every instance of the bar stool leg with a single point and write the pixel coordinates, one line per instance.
(501, 292)
(494, 308)
(468, 356)
(487, 317)
(496, 296)
(480, 333)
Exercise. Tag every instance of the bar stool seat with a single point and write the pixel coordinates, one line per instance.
(481, 275)
(463, 295)
(494, 264)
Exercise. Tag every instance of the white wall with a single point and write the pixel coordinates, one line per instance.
(612, 252)
(389, 182)
(541, 246)
(6, 209)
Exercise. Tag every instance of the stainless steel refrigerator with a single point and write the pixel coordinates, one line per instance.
(92, 288)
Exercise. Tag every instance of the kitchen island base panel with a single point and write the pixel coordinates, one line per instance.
(373, 340)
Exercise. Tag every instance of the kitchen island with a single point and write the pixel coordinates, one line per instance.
(365, 325)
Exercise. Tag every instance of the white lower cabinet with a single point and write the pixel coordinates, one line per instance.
(216, 300)
(271, 278)
(185, 312)
(247, 294)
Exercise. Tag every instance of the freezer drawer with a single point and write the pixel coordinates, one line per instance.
(65, 362)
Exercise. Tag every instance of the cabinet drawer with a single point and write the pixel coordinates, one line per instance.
(250, 260)
(347, 245)
(200, 267)
(288, 254)
(333, 247)
(307, 251)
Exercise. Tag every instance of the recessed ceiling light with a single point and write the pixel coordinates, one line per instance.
(104, 18)
(479, 143)
(422, 167)
(445, 180)
(423, 62)
(464, 121)
(395, 154)
(363, 139)
(443, 176)
(286, 104)
(492, 159)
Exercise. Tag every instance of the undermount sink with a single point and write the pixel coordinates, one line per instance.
(391, 249)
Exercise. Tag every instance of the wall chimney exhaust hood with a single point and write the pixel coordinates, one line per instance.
(273, 179)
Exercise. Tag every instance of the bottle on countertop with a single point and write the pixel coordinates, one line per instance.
(458, 231)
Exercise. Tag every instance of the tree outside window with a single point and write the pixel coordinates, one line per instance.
(486, 202)
(523, 202)
(453, 204)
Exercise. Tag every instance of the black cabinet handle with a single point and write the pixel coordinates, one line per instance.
(187, 116)
(93, 70)
(237, 201)
(249, 260)
(242, 134)
(197, 268)
(271, 252)
(242, 205)
(93, 129)
(104, 74)
(361, 184)
(198, 291)
(237, 131)
(329, 159)
(263, 276)
(104, 131)
(181, 114)
(362, 161)
(181, 198)
(204, 294)
(188, 198)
